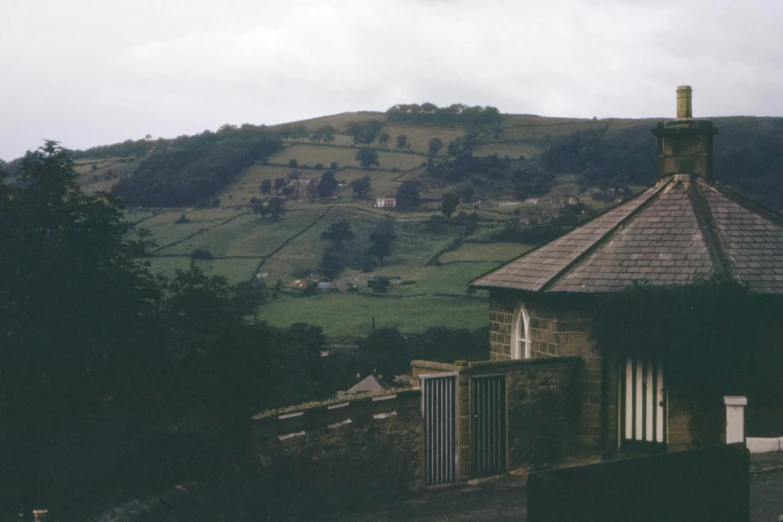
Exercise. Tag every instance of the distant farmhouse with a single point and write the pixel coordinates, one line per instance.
(303, 189)
(385, 202)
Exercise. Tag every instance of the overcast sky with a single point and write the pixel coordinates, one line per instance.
(93, 72)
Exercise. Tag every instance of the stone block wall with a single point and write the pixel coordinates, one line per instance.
(501, 316)
(556, 330)
(543, 405)
(338, 453)
(679, 434)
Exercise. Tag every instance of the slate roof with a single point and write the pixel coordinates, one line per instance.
(673, 233)
(367, 385)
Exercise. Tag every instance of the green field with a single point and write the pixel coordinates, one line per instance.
(290, 249)
(312, 155)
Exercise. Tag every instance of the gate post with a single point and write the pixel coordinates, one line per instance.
(735, 418)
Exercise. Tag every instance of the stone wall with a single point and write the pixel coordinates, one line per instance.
(342, 452)
(543, 405)
(557, 329)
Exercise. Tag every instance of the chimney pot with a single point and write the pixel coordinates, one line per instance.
(684, 102)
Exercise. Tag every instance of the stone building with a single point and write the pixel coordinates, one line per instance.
(385, 202)
(682, 228)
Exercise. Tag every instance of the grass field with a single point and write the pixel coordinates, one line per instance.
(108, 172)
(234, 270)
(248, 183)
(291, 248)
(512, 150)
(473, 252)
(340, 121)
(419, 136)
(351, 315)
(312, 155)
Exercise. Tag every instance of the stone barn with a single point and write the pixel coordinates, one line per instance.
(681, 229)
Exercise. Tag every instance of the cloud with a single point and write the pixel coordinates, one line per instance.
(89, 74)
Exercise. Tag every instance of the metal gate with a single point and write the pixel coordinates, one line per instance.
(488, 425)
(439, 411)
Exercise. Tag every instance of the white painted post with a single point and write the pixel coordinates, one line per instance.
(735, 418)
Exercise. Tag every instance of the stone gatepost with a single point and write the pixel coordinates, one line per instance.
(735, 418)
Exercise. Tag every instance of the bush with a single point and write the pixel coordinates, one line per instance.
(201, 254)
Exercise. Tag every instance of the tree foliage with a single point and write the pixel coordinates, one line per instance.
(338, 233)
(361, 187)
(382, 240)
(448, 204)
(364, 132)
(367, 158)
(195, 168)
(390, 351)
(434, 146)
(276, 208)
(402, 142)
(457, 113)
(325, 134)
(536, 232)
(327, 185)
(408, 195)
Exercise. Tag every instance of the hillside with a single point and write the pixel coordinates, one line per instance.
(519, 179)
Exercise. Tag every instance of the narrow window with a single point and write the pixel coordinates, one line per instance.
(520, 339)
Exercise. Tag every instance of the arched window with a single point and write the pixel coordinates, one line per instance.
(520, 337)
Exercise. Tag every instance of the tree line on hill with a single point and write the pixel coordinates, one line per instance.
(747, 157)
(193, 169)
(456, 114)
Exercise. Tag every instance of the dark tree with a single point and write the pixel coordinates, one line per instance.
(260, 208)
(448, 204)
(408, 195)
(388, 349)
(384, 139)
(325, 134)
(338, 233)
(293, 163)
(190, 170)
(367, 158)
(276, 208)
(327, 185)
(402, 141)
(382, 240)
(332, 263)
(435, 145)
(365, 132)
(361, 187)
(279, 183)
(266, 187)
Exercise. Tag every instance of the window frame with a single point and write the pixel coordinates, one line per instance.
(521, 318)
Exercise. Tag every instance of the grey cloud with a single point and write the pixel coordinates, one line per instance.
(93, 73)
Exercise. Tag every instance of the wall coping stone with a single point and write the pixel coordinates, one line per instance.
(432, 365)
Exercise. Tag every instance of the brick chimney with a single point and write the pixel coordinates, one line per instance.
(685, 144)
